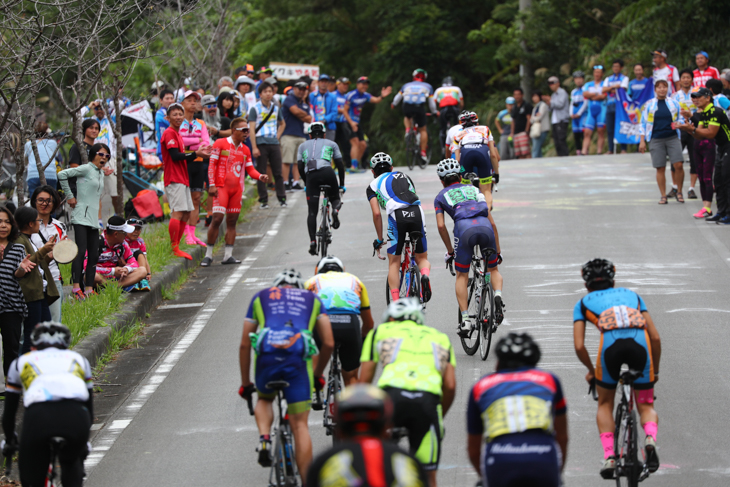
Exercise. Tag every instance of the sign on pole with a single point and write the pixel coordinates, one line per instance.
(287, 71)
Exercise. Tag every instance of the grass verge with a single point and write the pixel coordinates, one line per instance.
(118, 340)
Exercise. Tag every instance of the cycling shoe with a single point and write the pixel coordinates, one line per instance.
(498, 309)
(425, 288)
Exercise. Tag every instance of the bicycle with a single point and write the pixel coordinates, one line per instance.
(628, 465)
(284, 470)
(409, 275)
(324, 234)
(334, 386)
(413, 148)
(53, 479)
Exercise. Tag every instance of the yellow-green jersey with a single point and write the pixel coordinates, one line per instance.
(413, 356)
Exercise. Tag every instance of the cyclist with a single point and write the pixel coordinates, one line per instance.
(345, 297)
(418, 374)
(628, 336)
(363, 456)
(519, 411)
(394, 192)
(58, 399)
(446, 103)
(414, 95)
(473, 225)
(450, 135)
(230, 161)
(315, 159)
(285, 316)
(473, 147)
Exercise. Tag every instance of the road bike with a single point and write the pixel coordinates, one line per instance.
(324, 232)
(53, 479)
(409, 276)
(630, 469)
(480, 305)
(413, 148)
(334, 386)
(284, 470)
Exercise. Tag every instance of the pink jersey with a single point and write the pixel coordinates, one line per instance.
(120, 255)
(701, 77)
(137, 245)
(194, 134)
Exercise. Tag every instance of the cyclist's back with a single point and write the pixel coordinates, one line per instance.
(414, 93)
(448, 96)
(394, 190)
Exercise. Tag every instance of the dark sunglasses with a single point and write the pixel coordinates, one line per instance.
(212, 105)
(104, 156)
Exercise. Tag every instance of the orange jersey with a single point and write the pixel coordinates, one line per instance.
(227, 163)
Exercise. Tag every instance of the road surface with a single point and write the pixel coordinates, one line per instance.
(185, 424)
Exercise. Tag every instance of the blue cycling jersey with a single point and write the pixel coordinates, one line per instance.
(414, 93)
(394, 191)
(357, 101)
(597, 302)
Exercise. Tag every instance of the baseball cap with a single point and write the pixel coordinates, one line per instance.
(117, 223)
(726, 76)
(135, 222)
(264, 69)
(510, 100)
(344, 80)
(325, 77)
(250, 68)
(301, 84)
(225, 89)
(192, 93)
(243, 80)
(553, 79)
(702, 92)
(157, 85)
(704, 53)
(207, 100)
(659, 52)
(363, 79)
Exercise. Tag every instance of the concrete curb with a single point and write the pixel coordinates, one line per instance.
(137, 305)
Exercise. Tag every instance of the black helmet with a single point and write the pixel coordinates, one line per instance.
(598, 270)
(363, 409)
(517, 349)
(50, 334)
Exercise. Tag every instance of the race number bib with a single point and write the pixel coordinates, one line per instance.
(459, 195)
(515, 414)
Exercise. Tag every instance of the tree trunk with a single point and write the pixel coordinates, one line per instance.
(19, 172)
(119, 204)
(526, 70)
(38, 162)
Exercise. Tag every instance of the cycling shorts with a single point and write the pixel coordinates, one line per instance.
(198, 175)
(228, 199)
(475, 158)
(596, 116)
(299, 376)
(630, 346)
(403, 221)
(416, 112)
(579, 122)
(420, 413)
(346, 330)
(529, 458)
(359, 135)
(469, 238)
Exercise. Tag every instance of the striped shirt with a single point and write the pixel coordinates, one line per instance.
(12, 299)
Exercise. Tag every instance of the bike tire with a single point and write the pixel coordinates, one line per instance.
(290, 479)
(410, 148)
(323, 237)
(486, 321)
(277, 477)
(628, 468)
(471, 343)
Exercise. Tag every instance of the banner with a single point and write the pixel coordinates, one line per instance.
(287, 71)
(628, 114)
(142, 113)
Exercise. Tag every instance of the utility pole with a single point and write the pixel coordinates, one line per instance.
(526, 70)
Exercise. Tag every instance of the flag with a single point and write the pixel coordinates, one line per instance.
(628, 114)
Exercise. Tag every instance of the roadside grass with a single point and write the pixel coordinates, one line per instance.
(118, 340)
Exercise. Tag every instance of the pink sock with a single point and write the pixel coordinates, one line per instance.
(607, 442)
(394, 295)
(650, 428)
(425, 272)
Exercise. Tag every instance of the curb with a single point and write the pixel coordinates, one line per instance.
(137, 305)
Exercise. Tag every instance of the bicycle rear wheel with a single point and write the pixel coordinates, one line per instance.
(410, 148)
(334, 386)
(628, 467)
(323, 235)
(277, 477)
(471, 343)
(486, 321)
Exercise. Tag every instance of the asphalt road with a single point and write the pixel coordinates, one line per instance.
(185, 424)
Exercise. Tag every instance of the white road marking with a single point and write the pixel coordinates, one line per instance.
(106, 438)
(699, 309)
(256, 235)
(177, 306)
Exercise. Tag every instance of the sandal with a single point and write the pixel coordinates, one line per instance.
(680, 198)
(663, 200)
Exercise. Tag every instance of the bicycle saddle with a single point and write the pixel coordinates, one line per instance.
(277, 385)
(415, 235)
(630, 376)
(323, 186)
(57, 441)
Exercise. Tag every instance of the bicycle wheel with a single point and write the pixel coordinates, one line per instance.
(290, 458)
(471, 343)
(486, 320)
(628, 467)
(277, 477)
(323, 233)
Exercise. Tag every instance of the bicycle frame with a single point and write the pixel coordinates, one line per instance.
(284, 469)
(324, 235)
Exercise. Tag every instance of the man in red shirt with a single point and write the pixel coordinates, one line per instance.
(704, 71)
(177, 183)
(226, 174)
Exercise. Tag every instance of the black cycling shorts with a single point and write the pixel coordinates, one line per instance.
(404, 221)
(346, 331)
(420, 413)
(529, 458)
(198, 174)
(416, 112)
(356, 135)
(475, 158)
(136, 253)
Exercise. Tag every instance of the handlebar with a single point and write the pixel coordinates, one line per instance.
(450, 266)
(249, 401)
(592, 389)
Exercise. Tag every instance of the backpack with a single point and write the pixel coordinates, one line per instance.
(616, 317)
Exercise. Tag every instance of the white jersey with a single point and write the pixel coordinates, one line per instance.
(50, 375)
(451, 133)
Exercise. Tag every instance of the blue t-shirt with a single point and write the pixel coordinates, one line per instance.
(722, 101)
(318, 102)
(341, 99)
(636, 87)
(597, 302)
(46, 149)
(294, 126)
(160, 125)
(505, 118)
(357, 101)
(662, 122)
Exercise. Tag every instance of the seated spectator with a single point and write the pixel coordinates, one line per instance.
(46, 150)
(139, 250)
(116, 259)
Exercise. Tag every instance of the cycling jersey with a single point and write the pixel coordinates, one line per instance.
(317, 101)
(448, 96)
(161, 124)
(685, 100)
(461, 202)
(596, 108)
(365, 461)
(341, 100)
(194, 134)
(138, 246)
(615, 81)
(505, 118)
(341, 292)
(317, 154)
(452, 132)
(50, 375)
(413, 356)
(357, 101)
(578, 106)
(225, 172)
(394, 190)
(414, 93)
(668, 73)
(701, 77)
(119, 255)
(472, 136)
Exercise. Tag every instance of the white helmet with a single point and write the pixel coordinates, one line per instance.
(405, 309)
(329, 263)
(51, 334)
(448, 166)
(289, 277)
(381, 158)
(316, 127)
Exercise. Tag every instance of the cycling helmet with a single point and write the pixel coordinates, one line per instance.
(517, 349)
(447, 81)
(363, 409)
(51, 334)
(448, 166)
(289, 277)
(381, 159)
(510, 100)
(420, 73)
(467, 119)
(316, 127)
(598, 270)
(329, 263)
(405, 309)
(579, 74)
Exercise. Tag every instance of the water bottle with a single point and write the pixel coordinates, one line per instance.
(487, 277)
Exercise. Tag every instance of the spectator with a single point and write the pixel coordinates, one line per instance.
(264, 74)
(39, 288)
(725, 78)
(106, 136)
(521, 114)
(240, 71)
(596, 118)
(503, 121)
(318, 100)
(139, 251)
(578, 110)
(180, 93)
(14, 264)
(154, 96)
(218, 125)
(89, 179)
(45, 199)
(720, 100)
(684, 98)
(295, 112)
(161, 123)
(665, 71)
(89, 130)
(342, 131)
(46, 151)
(639, 83)
(267, 122)
(560, 106)
(225, 82)
(116, 259)
(658, 120)
(194, 134)
(704, 71)
(540, 123)
(225, 104)
(243, 88)
(610, 86)
(354, 103)
(250, 71)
